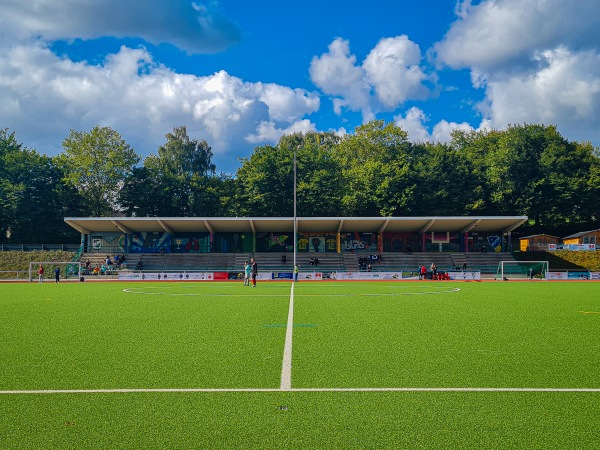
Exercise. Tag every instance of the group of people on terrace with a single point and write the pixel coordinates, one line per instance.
(109, 264)
(365, 262)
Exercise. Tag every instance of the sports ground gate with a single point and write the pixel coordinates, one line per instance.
(315, 234)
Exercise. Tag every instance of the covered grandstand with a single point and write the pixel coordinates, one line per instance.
(339, 244)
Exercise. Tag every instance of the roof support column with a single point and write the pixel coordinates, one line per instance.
(380, 236)
(211, 235)
(253, 227)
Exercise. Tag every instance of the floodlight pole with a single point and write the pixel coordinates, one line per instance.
(295, 218)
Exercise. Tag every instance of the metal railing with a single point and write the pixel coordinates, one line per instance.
(14, 275)
(39, 247)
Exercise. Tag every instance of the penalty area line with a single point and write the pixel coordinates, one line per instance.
(233, 390)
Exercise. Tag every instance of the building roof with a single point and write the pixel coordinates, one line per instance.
(581, 233)
(539, 234)
(88, 225)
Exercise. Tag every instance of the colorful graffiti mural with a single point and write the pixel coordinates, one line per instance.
(359, 241)
(317, 242)
(190, 243)
(149, 242)
(274, 242)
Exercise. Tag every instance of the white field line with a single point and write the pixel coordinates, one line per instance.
(286, 365)
(373, 389)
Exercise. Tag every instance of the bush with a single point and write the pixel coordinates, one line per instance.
(564, 259)
(13, 261)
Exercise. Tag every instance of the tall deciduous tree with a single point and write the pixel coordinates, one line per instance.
(570, 181)
(183, 166)
(376, 167)
(184, 158)
(144, 194)
(319, 185)
(33, 200)
(9, 190)
(265, 182)
(266, 179)
(96, 163)
(444, 182)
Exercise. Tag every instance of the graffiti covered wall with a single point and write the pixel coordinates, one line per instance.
(149, 242)
(358, 241)
(317, 242)
(190, 243)
(274, 242)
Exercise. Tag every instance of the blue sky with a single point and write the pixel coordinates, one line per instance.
(240, 74)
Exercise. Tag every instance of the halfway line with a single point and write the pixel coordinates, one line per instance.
(286, 366)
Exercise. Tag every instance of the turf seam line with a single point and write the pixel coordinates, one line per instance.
(374, 389)
(286, 365)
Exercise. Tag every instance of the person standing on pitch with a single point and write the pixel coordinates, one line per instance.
(254, 272)
(41, 274)
(247, 273)
(296, 273)
(57, 275)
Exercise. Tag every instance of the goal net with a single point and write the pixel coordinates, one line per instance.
(522, 270)
(68, 270)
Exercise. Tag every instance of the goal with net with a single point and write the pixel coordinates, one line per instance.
(68, 270)
(522, 270)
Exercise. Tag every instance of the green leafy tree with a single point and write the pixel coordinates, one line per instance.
(513, 170)
(376, 166)
(265, 182)
(570, 182)
(96, 163)
(33, 199)
(532, 170)
(183, 166)
(475, 147)
(319, 183)
(217, 196)
(444, 184)
(9, 190)
(182, 157)
(144, 194)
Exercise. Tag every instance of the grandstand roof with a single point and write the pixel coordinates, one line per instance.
(88, 225)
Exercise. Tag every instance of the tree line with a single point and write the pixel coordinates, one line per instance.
(527, 169)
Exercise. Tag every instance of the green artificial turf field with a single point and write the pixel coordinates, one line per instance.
(373, 365)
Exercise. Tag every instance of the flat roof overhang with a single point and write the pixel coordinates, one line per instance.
(89, 225)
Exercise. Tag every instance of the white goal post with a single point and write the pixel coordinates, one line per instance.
(67, 269)
(522, 270)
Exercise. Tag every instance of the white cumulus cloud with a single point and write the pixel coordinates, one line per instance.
(536, 60)
(415, 120)
(392, 68)
(337, 74)
(497, 34)
(389, 76)
(566, 91)
(269, 132)
(189, 26)
(45, 95)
